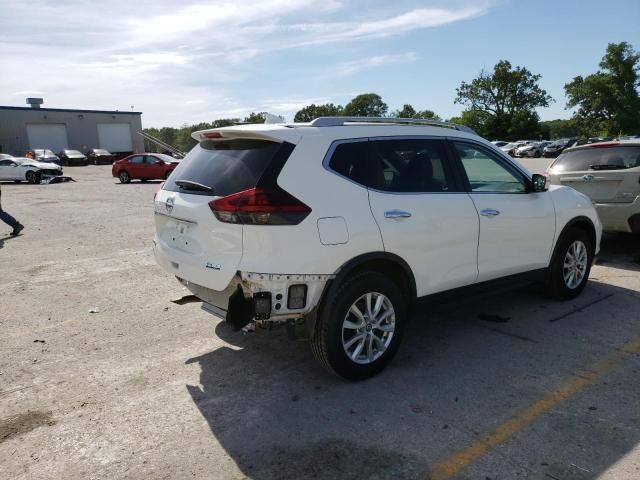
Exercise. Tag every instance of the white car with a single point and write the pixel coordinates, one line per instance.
(535, 150)
(344, 223)
(510, 148)
(609, 174)
(21, 169)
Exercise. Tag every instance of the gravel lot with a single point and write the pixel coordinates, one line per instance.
(511, 386)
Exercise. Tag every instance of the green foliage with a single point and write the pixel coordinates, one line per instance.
(475, 119)
(312, 111)
(407, 111)
(560, 128)
(608, 101)
(180, 138)
(255, 117)
(366, 105)
(507, 98)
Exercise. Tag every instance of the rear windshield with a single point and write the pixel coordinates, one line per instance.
(227, 167)
(611, 158)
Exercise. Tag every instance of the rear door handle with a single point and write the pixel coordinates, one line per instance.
(489, 212)
(396, 214)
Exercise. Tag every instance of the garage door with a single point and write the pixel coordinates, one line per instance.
(51, 136)
(115, 137)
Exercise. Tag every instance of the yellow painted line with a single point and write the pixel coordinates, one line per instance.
(452, 465)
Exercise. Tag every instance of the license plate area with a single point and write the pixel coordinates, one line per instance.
(179, 235)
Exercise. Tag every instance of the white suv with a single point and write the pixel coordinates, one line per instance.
(346, 222)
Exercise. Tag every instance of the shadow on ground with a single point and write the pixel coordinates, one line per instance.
(620, 250)
(459, 374)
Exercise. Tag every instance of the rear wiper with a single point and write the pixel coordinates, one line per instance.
(189, 185)
(607, 167)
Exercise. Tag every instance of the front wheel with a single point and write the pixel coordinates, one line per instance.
(33, 177)
(124, 177)
(570, 267)
(360, 326)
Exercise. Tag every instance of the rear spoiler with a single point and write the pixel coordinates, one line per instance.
(231, 133)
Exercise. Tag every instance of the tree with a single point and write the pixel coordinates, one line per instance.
(475, 119)
(255, 117)
(560, 128)
(608, 101)
(407, 111)
(507, 98)
(366, 105)
(312, 111)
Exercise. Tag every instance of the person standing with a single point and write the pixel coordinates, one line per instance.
(9, 220)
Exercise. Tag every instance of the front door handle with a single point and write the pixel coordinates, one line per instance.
(396, 214)
(489, 212)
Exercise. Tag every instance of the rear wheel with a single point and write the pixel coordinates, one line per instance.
(570, 267)
(33, 177)
(124, 177)
(360, 326)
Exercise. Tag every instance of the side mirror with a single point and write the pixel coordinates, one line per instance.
(539, 183)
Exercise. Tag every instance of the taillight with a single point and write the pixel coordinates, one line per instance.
(155, 194)
(260, 206)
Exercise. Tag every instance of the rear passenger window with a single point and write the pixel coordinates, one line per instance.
(411, 165)
(350, 160)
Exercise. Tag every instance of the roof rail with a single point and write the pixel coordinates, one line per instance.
(340, 121)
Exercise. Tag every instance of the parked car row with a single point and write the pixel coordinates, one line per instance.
(95, 156)
(550, 149)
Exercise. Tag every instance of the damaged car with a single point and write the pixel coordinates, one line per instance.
(337, 227)
(23, 169)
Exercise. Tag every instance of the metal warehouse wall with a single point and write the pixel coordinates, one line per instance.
(82, 127)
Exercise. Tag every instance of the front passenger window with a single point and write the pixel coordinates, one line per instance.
(487, 173)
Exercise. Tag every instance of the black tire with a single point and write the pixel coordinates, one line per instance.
(124, 177)
(327, 337)
(556, 286)
(537, 155)
(33, 177)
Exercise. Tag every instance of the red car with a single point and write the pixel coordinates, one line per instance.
(144, 166)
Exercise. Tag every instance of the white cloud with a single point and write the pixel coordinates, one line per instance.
(350, 68)
(192, 60)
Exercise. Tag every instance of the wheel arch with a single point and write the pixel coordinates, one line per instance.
(388, 263)
(581, 222)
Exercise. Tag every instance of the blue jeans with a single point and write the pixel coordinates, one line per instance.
(8, 219)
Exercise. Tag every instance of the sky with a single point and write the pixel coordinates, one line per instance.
(184, 62)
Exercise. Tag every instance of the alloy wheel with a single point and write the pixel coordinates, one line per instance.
(575, 264)
(368, 327)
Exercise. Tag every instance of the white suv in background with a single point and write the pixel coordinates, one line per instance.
(609, 174)
(346, 222)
